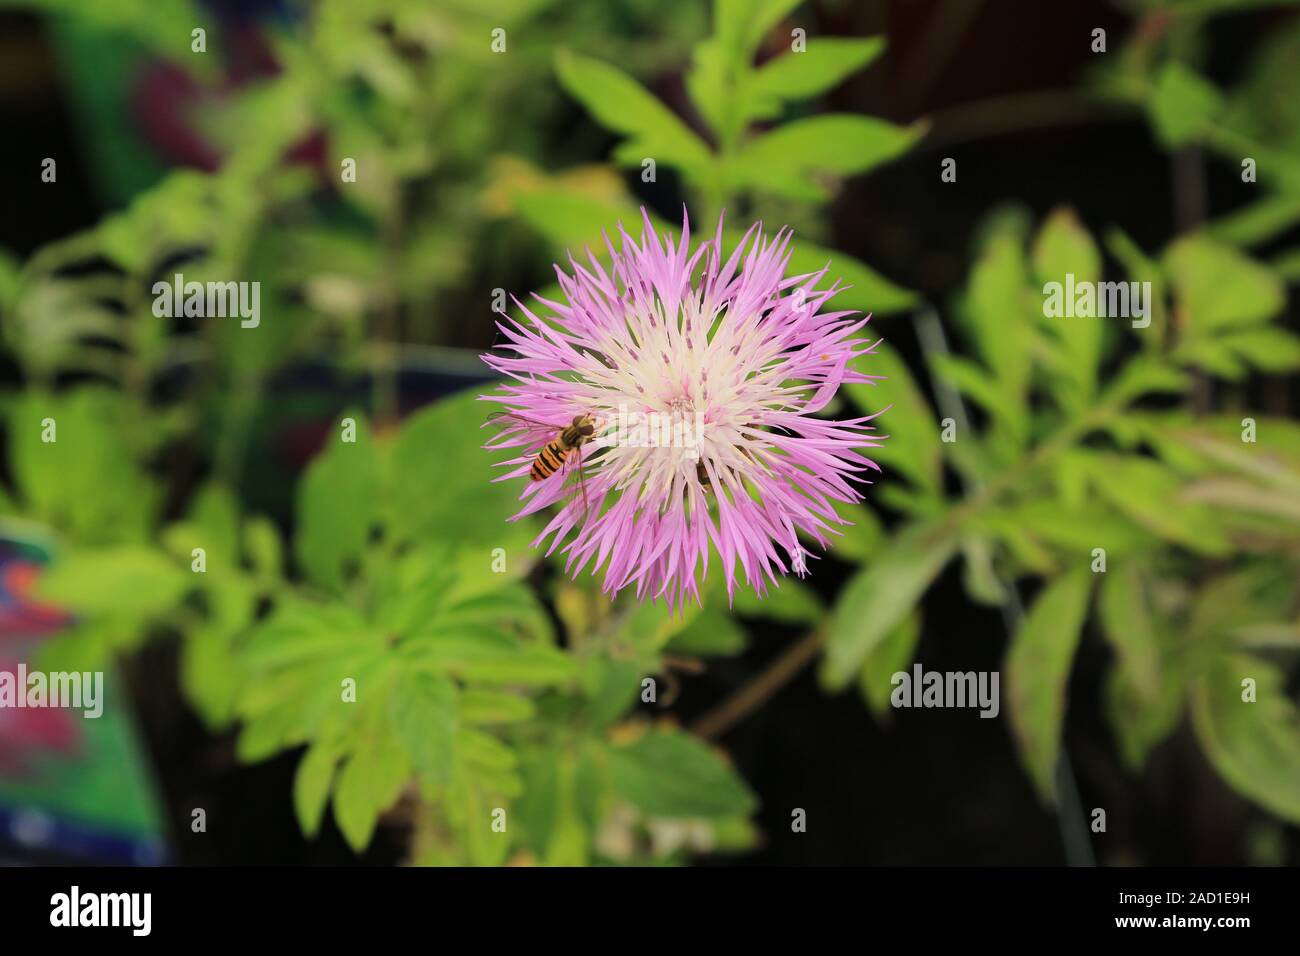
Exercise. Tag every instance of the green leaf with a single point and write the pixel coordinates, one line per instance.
(209, 675)
(1267, 349)
(621, 104)
(1038, 670)
(311, 786)
(1141, 722)
(610, 686)
(787, 160)
(264, 549)
(1062, 248)
(972, 380)
(715, 633)
(484, 751)
(866, 290)
(85, 481)
(1126, 622)
(1002, 315)
(424, 722)
(487, 655)
(1218, 288)
(878, 597)
(442, 478)
(215, 516)
(861, 537)
(1258, 222)
(126, 581)
(1183, 105)
(1140, 267)
(1245, 497)
(913, 443)
(792, 602)
(741, 25)
(894, 652)
(480, 706)
(1254, 746)
(299, 631)
(979, 577)
(668, 773)
(1141, 376)
(573, 221)
(1076, 530)
(336, 506)
(368, 784)
(1150, 495)
(473, 816)
(712, 87)
(825, 63)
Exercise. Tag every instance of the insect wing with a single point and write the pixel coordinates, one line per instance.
(574, 477)
(511, 425)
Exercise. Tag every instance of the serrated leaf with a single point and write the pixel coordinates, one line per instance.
(368, 784)
(1126, 622)
(1038, 670)
(479, 706)
(424, 722)
(1254, 746)
(1001, 314)
(621, 104)
(1149, 494)
(1061, 249)
(1217, 287)
(668, 773)
(311, 787)
(878, 597)
(354, 809)
(488, 655)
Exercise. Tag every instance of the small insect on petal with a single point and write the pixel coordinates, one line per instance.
(678, 390)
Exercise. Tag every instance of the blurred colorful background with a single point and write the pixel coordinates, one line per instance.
(1108, 516)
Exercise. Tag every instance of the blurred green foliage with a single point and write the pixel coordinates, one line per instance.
(404, 637)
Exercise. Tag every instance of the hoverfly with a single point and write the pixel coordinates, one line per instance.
(562, 451)
(556, 452)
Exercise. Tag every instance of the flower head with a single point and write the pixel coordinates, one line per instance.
(669, 406)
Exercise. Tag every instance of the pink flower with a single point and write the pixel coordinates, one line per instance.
(698, 377)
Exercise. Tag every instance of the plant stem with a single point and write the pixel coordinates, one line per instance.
(755, 693)
(1074, 833)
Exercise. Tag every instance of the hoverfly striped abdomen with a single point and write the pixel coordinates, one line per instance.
(556, 451)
